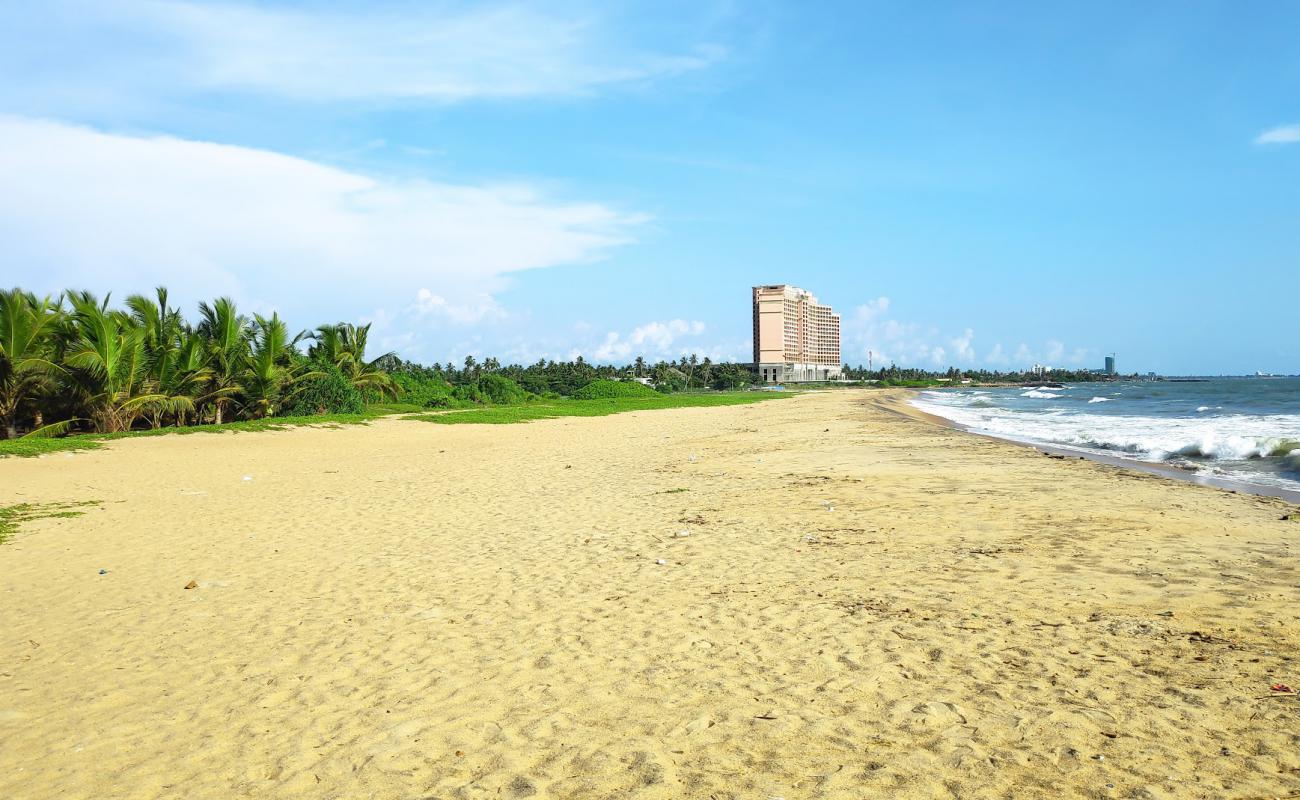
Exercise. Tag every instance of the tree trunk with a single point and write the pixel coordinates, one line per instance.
(218, 416)
(11, 432)
(38, 420)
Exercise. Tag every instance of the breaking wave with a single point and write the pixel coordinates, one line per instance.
(1264, 447)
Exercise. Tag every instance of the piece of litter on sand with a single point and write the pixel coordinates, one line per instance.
(192, 585)
(682, 534)
(248, 477)
(1282, 687)
(103, 572)
(661, 562)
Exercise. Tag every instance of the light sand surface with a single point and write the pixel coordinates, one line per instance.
(866, 606)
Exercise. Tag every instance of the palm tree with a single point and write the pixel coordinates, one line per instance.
(173, 355)
(106, 351)
(180, 378)
(27, 366)
(226, 337)
(271, 373)
(343, 345)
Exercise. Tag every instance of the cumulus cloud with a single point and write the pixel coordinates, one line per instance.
(870, 310)
(84, 208)
(871, 332)
(374, 52)
(653, 340)
(1284, 134)
(961, 346)
(471, 310)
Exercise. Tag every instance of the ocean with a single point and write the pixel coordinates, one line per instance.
(1242, 430)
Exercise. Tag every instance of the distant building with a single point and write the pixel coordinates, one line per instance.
(1040, 370)
(795, 338)
(1110, 364)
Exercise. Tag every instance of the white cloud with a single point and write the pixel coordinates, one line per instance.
(472, 310)
(1284, 134)
(961, 345)
(869, 329)
(653, 340)
(86, 209)
(370, 52)
(871, 310)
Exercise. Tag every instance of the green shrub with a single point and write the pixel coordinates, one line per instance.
(328, 393)
(600, 389)
(426, 392)
(490, 389)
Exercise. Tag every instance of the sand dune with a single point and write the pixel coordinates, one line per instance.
(864, 606)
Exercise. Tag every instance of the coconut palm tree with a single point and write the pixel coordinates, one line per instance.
(174, 358)
(27, 365)
(106, 352)
(225, 334)
(343, 345)
(270, 375)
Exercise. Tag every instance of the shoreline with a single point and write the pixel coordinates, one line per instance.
(901, 405)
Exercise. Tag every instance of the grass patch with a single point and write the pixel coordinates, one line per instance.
(550, 409)
(13, 516)
(29, 448)
(385, 409)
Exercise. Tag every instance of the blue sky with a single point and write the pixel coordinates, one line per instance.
(969, 184)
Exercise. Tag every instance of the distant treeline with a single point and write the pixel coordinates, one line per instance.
(896, 375)
(446, 385)
(73, 363)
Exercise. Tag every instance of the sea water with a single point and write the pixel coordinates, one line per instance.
(1245, 430)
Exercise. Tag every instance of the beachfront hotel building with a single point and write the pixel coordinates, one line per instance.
(795, 337)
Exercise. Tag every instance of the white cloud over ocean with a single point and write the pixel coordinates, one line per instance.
(870, 328)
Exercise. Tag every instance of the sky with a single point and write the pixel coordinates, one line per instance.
(968, 184)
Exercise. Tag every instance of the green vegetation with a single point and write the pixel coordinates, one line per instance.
(490, 389)
(73, 364)
(13, 516)
(31, 446)
(602, 389)
(327, 391)
(502, 415)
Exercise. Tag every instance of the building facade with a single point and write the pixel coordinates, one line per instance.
(796, 339)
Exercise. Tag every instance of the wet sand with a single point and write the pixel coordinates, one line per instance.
(865, 605)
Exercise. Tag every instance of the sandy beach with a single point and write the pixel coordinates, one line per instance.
(806, 598)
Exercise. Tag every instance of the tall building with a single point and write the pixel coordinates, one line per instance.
(795, 337)
(1110, 364)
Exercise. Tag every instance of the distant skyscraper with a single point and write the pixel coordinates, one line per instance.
(1110, 364)
(795, 337)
